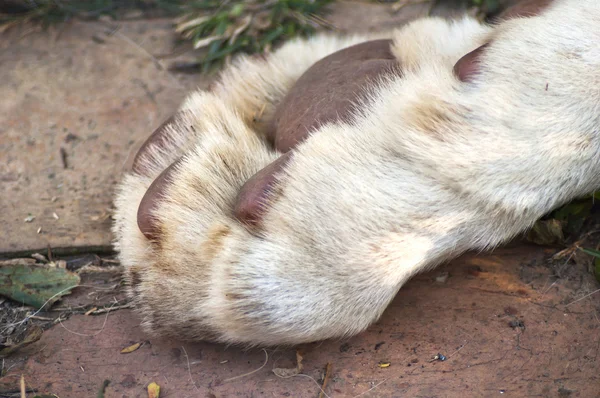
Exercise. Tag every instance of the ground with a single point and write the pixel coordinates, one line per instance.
(77, 103)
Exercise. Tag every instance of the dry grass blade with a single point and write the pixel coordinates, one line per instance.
(184, 25)
(207, 40)
(224, 29)
(325, 379)
(22, 385)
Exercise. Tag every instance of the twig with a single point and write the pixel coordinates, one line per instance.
(109, 309)
(84, 334)
(23, 391)
(63, 158)
(325, 379)
(40, 318)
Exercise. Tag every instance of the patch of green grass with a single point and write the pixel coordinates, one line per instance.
(253, 26)
(48, 12)
(596, 254)
(222, 28)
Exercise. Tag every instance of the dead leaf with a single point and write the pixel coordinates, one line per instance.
(289, 372)
(131, 348)
(546, 232)
(34, 285)
(153, 390)
(17, 261)
(33, 335)
(90, 311)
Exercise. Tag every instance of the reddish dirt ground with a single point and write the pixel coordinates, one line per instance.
(507, 325)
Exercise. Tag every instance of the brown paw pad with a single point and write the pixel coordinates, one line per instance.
(253, 198)
(159, 139)
(329, 90)
(147, 221)
(467, 68)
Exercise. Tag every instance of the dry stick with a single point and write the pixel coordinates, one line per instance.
(250, 373)
(84, 334)
(23, 394)
(325, 379)
(109, 309)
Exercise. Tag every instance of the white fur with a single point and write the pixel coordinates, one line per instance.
(432, 167)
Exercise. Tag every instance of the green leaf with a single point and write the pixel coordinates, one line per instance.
(236, 10)
(34, 285)
(591, 252)
(596, 254)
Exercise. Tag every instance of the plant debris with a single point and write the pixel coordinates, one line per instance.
(325, 379)
(289, 372)
(131, 348)
(33, 335)
(153, 390)
(222, 28)
(384, 364)
(252, 26)
(35, 285)
(546, 232)
(596, 255)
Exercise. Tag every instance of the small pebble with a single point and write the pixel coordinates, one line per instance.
(442, 278)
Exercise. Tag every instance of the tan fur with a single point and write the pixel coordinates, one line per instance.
(432, 167)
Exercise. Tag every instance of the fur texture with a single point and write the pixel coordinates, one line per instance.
(432, 167)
